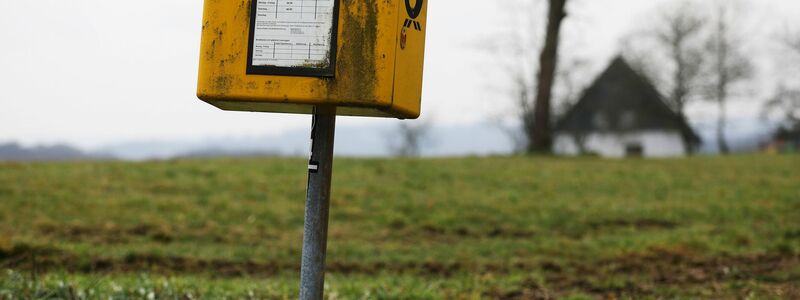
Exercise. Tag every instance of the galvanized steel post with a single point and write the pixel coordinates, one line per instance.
(315, 230)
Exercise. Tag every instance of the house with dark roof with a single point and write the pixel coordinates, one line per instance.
(622, 114)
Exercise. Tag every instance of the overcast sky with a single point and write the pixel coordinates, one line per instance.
(96, 72)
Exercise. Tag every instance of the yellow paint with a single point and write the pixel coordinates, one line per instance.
(374, 75)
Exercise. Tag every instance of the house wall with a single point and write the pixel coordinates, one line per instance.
(655, 143)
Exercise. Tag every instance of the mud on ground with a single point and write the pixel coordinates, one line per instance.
(632, 274)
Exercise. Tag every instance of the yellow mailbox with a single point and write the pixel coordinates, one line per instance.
(363, 56)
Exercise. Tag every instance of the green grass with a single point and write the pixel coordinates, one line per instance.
(498, 227)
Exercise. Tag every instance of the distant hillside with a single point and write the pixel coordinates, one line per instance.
(362, 141)
(216, 152)
(15, 152)
(744, 135)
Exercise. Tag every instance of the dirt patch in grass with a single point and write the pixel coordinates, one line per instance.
(633, 274)
(462, 232)
(641, 274)
(13, 256)
(115, 234)
(44, 259)
(638, 224)
(109, 234)
(580, 230)
(792, 235)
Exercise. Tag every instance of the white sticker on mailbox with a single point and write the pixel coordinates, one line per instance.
(293, 33)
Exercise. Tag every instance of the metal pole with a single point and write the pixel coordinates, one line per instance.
(315, 230)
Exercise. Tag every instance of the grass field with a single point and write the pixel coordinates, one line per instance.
(461, 228)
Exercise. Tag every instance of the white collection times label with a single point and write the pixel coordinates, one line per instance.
(293, 33)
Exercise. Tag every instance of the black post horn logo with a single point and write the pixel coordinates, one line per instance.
(413, 13)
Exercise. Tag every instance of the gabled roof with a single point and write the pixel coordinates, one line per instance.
(621, 100)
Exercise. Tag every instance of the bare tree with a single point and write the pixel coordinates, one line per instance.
(580, 138)
(409, 138)
(525, 114)
(520, 44)
(677, 38)
(570, 83)
(729, 66)
(566, 91)
(682, 29)
(785, 107)
(539, 130)
(793, 42)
